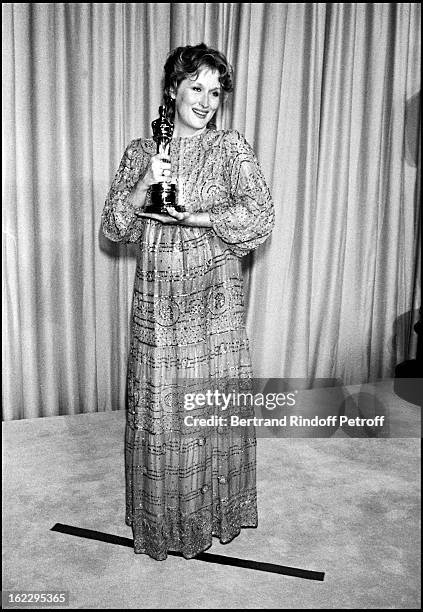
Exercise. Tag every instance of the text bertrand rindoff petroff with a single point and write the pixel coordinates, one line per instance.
(269, 401)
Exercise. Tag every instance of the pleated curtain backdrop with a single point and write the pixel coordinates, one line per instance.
(328, 94)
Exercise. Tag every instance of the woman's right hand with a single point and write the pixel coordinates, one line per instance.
(158, 171)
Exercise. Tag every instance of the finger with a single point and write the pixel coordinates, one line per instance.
(161, 177)
(158, 217)
(160, 169)
(162, 157)
(159, 162)
(166, 175)
(177, 215)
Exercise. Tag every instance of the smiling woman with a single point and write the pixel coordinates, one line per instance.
(196, 101)
(204, 71)
(185, 484)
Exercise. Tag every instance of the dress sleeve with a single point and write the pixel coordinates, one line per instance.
(120, 222)
(246, 218)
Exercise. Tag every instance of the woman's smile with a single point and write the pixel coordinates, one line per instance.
(200, 113)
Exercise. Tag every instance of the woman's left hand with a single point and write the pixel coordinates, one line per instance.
(201, 219)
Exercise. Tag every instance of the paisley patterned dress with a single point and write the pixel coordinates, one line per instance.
(186, 483)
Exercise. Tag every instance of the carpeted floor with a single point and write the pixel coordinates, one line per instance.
(349, 507)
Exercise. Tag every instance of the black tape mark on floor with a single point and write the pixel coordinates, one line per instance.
(209, 558)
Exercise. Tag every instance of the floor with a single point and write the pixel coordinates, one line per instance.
(348, 506)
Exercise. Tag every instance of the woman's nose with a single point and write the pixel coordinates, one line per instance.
(204, 101)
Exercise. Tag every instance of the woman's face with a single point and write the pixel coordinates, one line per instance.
(196, 101)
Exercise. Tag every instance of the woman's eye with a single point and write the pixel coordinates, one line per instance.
(216, 94)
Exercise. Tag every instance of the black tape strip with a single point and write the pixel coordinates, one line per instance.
(209, 558)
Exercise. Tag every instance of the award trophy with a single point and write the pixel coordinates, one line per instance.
(163, 194)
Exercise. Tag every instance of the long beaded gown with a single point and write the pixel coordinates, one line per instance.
(185, 484)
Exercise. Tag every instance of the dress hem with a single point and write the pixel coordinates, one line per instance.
(143, 551)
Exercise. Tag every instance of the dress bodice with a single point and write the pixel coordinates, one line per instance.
(216, 171)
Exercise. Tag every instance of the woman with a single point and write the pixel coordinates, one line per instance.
(186, 483)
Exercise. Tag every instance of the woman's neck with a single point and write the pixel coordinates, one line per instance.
(178, 132)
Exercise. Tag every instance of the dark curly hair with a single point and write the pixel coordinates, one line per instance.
(184, 62)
